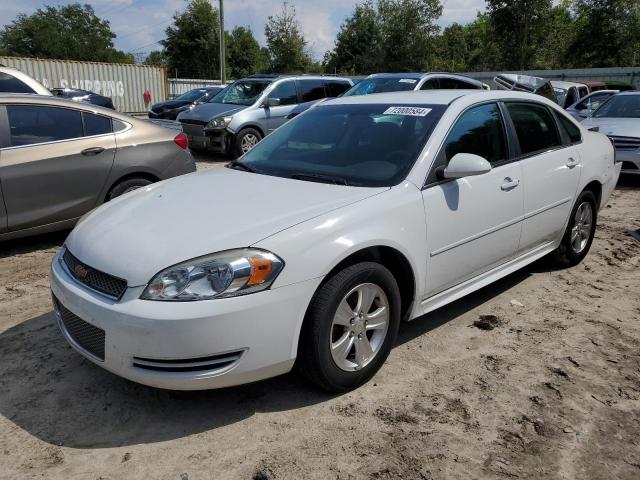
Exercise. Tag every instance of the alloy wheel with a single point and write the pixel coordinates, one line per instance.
(248, 142)
(359, 327)
(581, 230)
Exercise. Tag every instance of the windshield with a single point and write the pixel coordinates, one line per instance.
(192, 95)
(620, 106)
(381, 84)
(242, 92)
(368, 145)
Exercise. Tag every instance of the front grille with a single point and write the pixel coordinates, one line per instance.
(195, 130)
(83, 334)
(625, 143)
(94, 279)
(629, 166)
(197, 364)
(190, 121)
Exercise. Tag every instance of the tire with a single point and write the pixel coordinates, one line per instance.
(126, 186)
(247, 137)
(319, 333)
(572, 249)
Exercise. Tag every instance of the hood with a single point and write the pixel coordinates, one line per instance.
(209, 111)
(141, 233)
(621, 127)
(169, 105)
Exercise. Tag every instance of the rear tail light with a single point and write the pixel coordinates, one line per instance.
(182, 141)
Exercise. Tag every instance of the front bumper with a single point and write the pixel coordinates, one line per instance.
(630, 160)
(140, 336)
(217, 141)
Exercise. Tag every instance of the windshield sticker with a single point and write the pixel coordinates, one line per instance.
(411, 111)
(407, 80)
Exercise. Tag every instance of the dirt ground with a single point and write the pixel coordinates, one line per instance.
(537, 376)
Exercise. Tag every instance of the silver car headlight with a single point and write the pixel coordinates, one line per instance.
(219, 275)
(219, 122)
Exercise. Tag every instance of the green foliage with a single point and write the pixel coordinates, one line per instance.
(286, 43)
(244, 54)
(157, 57)
(192, 45)
(69, 32)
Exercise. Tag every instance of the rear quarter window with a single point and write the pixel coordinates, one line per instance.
(572, 130)
(10, 84)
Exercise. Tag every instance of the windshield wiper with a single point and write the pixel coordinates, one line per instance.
(236, 165)
(315, 177)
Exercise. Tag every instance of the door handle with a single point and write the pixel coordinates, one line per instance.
(92, 151)
(571, 162)
(509, 184)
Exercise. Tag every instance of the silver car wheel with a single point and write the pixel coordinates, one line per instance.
(581, 230)
(248, 142)
(359, 327)
(132, 188)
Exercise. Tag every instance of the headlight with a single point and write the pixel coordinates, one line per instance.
(220, 275)
(219, 122)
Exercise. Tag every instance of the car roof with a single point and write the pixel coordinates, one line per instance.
(628, 92)
(32, 98)
(419, 75)
(563, 84)
(534, 82)
(29, 80)
(278, 76)
(434, 97)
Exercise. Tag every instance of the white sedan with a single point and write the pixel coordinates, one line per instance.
(311, 249)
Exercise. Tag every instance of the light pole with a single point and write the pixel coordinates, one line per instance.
(223, 77)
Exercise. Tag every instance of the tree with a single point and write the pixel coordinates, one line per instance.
(192, 45)
(69, 32)
(607, 33)
(287, 46)
(358, 44)
(157, 57)
(559, 30)
(518, 26)
(244, 55)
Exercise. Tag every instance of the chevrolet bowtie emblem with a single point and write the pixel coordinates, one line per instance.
(80, 272)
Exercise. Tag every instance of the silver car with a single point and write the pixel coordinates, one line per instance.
(246, 111)
(60, 159)
(399, 82)
(619, 119)
(585, 107)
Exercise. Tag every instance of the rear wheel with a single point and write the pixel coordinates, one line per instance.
(126, 186)
(246, 139)
(350, 328)
(580, 231)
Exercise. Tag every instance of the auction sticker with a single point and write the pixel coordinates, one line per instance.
(412, 111)
(407, 80)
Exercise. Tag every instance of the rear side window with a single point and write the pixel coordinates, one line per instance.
(311, 90)
(33, 124)
(10, 84)
(431, 84)
(479, 131)
(336, 88)
(573, 132)
(286, 92)
(455, 84)
(96, 124)
(535, 127)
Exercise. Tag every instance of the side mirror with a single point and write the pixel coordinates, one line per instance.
(466, 165)
(271, 102)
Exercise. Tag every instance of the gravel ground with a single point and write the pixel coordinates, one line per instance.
(536, 376)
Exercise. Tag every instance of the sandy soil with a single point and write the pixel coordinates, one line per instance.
(537, 376)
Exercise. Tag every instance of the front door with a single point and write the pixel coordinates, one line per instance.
(56, 165)
(473, 223)
(550, 169)
(287, 94)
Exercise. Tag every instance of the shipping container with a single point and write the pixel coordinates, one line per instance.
(124, 83)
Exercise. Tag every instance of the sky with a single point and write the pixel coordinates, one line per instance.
(140, 24)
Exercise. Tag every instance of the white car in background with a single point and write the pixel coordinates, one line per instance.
(355, 215)
(619, 119)
(15, 81)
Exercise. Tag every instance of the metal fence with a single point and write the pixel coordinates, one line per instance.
(125, 84)
(629, 75)
(178, 86)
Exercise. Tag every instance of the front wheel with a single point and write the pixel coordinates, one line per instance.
(350, 327)
(127, 186)
(580, 231)
(246, 139)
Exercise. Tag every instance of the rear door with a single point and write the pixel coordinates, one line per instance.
(550, 171)
(288, 95)
(55, 165)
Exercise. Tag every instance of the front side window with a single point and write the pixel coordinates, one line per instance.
(381, 85)
(337, 88)
(10, 84)
(535, 127)
(368, 145)
(242, 92)
(311, 90)
(479, 131)
(286, 93)
(597, 99)
(96, 124)
(620, 106)
(33, 124)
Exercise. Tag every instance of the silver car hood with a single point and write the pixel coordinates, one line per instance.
(209, 111)
(143, 232)
(622, 127)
